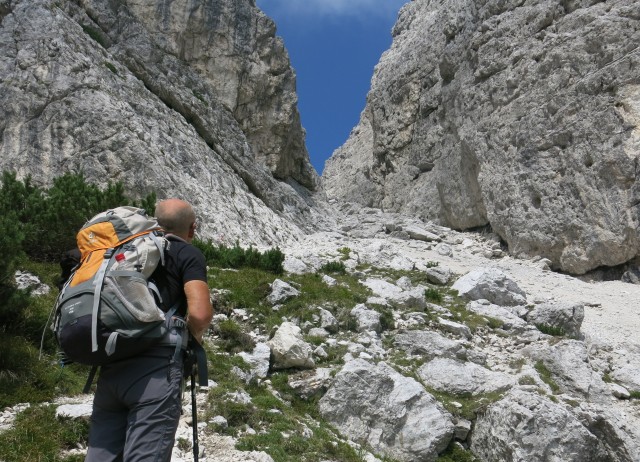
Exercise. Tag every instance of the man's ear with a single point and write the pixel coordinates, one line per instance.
(192, 230)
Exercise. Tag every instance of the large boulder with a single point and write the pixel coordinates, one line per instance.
(394, 415)
(524, 116)
(525, 426)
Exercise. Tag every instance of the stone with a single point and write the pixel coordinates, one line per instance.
(366, 319)
(490, 284)
(392, 414)
(289, 349)
(458, 378)
(566, 318)
(437, 275)
(454, 328)
(258, 360)
(281, 292)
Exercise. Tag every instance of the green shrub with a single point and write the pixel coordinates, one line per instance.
(551, 330)
(333, 267)
(386, 320)
(433, 295)
(50, 219)
(222, 256)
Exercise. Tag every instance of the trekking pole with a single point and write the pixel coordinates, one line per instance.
(194, 415)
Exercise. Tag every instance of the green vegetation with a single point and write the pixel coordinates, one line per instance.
(38, 435)
(95, 34)
(199, 96)
(333, 267)
(433, 295)
(38, 226)
(551, 330)
(455, 453)
(345, 253)
(45, 221)
(547, 376)
(526, 380)
(111, 67)
(466, 405)
(282, 427)
(222, 256)
(232, 337)
(249, 287)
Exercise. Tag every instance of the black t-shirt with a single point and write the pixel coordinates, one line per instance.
(183, 263)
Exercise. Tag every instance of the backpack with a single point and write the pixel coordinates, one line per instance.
(109, 309)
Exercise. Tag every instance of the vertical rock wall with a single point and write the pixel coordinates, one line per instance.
(193, 99)
(518, 114)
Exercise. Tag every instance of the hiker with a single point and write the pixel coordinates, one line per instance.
(137, 404)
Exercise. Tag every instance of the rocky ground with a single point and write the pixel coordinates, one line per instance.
(608, 338)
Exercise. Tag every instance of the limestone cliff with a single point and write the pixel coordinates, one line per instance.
(520, 114)
(190, 98)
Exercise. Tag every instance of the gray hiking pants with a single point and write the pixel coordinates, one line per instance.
(136, 409)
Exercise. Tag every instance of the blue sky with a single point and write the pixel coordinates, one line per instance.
(333, 46)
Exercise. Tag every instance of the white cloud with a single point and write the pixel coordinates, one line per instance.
(351, 8)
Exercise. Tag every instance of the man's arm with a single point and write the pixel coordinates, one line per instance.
(199, 309)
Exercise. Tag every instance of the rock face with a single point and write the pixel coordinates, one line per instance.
(521, 115)
(194, 99)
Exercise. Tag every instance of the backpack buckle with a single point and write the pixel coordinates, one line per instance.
(108, 253)
(179, 322)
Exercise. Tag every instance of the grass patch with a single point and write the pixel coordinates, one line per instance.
(27, 442)
(473, 321)
(468, 406)
(233, 339)
(634, 395)
(547, 376)
(526, 380)
(24, 376)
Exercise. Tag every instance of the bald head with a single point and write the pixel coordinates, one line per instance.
(176, 217)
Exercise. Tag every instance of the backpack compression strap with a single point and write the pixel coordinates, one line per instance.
(99, 281)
